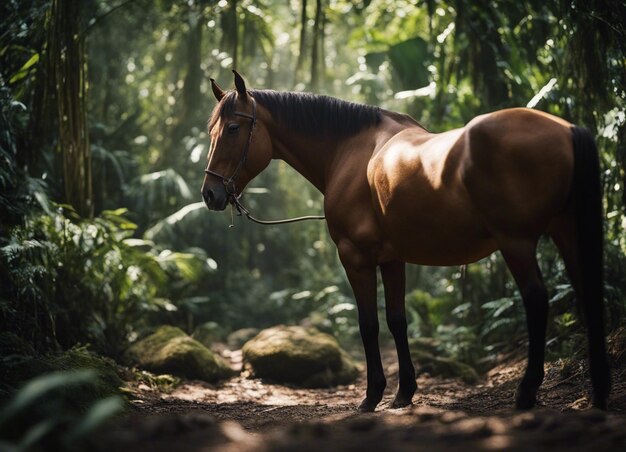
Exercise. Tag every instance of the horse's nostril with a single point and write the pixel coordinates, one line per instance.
(208, 195)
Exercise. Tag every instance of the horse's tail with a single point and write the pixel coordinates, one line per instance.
(587, 197)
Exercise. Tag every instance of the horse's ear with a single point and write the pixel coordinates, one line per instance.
(241, 86)
(217, 91)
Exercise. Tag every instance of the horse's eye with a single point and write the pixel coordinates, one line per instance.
(233, 129)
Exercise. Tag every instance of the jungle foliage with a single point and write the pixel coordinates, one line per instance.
(103, 134)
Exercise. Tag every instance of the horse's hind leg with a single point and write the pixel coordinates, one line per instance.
(520, 257)
(563, 234)
(393, 274)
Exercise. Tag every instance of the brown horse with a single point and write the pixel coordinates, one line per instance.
(395, 193)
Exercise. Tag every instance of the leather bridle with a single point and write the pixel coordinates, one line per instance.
(229, 182)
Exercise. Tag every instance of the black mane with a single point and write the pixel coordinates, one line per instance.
(307, 113)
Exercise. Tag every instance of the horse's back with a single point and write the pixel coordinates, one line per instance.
(445, 198)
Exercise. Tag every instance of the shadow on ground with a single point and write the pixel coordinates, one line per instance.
(244, 414)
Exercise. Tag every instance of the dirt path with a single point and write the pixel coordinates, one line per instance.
(247, 414)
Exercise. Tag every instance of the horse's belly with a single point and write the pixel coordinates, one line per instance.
(436, 238)
(431, 225)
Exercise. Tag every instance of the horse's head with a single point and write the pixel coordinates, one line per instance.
(240, 145)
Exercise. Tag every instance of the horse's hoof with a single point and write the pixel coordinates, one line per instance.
(600, 403)
(525, 399)
(367, 406)
(401, 401)
(404, 397)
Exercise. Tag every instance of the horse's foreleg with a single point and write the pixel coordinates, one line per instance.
(393, 274)
(522, 262)
(363, 281)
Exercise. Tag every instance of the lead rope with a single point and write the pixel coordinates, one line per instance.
(242, 210)
(232, 218)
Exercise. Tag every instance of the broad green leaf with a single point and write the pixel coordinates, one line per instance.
(40, 386)
(99, 413)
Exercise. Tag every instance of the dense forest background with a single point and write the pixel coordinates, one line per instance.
(103, 139)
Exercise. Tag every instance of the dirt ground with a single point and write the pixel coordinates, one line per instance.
(244, 414)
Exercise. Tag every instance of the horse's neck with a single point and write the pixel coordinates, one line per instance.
(306, 155)
(314, 158)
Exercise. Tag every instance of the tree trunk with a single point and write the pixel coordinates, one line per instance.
(317, 27)
(191, 95)
(303, 20)
(322, 44)
(236, 36)
(67, 63)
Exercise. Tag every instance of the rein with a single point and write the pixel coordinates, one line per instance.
(242, 210)
(229, 183)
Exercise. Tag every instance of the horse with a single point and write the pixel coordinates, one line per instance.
(395, 193)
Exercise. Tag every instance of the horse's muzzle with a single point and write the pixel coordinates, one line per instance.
(215, 199)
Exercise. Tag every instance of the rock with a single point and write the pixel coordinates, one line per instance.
(107, 383)
(237, 338)
(207, 333)
(426, 351)
(18, 370)
(302, 356)
(17, 364)
(170, 350)
(444, 367)
(425, 344)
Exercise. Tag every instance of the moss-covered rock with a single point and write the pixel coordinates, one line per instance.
(16, 370)
(18, 363)
(107, 383)
(425, 344)
(443, 366)
(208, 333)
(238, 338)
(301, 356)
(170, 350)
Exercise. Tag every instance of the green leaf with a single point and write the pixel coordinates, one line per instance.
(41, 429)
(117, 217)
(410, 60)
(43, 201)
(146, 245)
(99, 413)
(23, 71)
(40, 386)
(497, 305)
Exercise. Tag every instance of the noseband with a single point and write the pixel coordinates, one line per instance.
(229, 182)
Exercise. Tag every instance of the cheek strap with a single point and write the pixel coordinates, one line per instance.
(229, 182)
